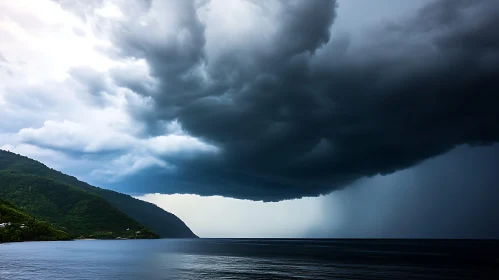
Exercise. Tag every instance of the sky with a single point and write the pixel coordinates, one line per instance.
(309, 118)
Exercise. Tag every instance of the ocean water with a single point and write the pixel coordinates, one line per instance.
(250, 259)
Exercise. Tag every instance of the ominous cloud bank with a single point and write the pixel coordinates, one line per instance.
(431, 200)
(261, 101)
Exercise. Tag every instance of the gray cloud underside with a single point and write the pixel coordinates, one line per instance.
(309, 113)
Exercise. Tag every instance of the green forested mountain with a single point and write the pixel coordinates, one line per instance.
(164, 223)
(18, 226)
(69, 208)
(79, 208)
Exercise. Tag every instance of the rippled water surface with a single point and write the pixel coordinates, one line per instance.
(250, 259)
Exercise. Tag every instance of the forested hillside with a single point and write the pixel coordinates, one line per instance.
(80, 208)
(18, 226)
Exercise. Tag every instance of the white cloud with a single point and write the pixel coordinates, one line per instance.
(109, 10)
(41, 33)
(78, 167)
(52, 112)
(36, 152)
(134, 153)
(128, 164)
(176, 144)
(243, 26)
(74, 136)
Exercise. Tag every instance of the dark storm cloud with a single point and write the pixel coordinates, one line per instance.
(307, 114)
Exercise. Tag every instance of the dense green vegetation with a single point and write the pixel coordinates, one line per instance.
(164, 223)
(79, 208)
(80, 213)
(18, 226)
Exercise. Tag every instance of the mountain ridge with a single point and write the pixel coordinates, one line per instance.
(18, 167)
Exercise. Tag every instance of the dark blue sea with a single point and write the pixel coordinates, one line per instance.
(250, 259)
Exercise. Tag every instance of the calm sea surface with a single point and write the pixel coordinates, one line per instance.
(250, 259)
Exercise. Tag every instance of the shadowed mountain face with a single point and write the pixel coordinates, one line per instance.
(164, 223)
(77, 206)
